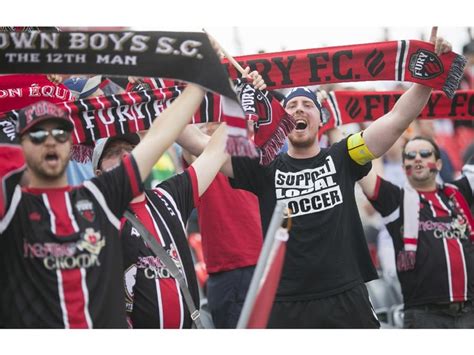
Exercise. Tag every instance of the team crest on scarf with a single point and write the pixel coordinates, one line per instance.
(255, 103)
(86, 210)
(425, 65)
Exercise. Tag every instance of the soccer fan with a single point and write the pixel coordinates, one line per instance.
(231, 240)
(60, 252)
(432, 232)
(327, 259)
(153, 296)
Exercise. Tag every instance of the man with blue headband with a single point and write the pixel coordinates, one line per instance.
(327, 260)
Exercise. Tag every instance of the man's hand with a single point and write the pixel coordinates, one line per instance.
(257, 80)
(441, 45)
(55, 78)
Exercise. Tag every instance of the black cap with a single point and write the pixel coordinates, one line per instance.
(41, 111)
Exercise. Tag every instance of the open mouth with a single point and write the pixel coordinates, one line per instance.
(51, 157)
(301, 125)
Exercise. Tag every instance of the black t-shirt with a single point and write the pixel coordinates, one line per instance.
(444, 266)
(60, 253)
(326, 252)
(153, 296)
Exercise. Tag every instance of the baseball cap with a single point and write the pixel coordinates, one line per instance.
(102, 144)
(83, 87)
(302, 91)
(41, 111)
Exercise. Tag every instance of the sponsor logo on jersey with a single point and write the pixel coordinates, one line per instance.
(154, 268)
(91, 241)
(456, 229)
(81, 254)
(86, 210)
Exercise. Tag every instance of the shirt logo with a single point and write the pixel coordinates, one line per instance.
(154, 268)
(91, 241)
(456, 229)
(310, 190)
(66, 256)
(86, 210)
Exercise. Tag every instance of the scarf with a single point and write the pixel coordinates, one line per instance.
(413, 61)
(406, 258)
(108, 116)
(362, 106)
(271, 123)
(17, 91)
(185, 56)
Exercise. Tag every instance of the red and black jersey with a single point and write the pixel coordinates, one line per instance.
(60, 253)
(444, 266)
(153, 296)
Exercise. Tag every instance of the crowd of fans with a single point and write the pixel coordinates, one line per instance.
(225, 268)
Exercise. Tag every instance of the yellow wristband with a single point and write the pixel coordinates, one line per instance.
(357, 149)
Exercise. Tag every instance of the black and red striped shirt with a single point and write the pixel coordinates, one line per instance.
(60, 253)
(444, 267)
(153, 296)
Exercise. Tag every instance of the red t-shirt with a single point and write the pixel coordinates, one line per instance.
(230, 226)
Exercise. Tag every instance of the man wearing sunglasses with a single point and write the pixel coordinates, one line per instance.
(433, 236)
(60, 252)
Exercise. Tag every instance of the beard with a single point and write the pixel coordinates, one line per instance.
(302, 142)
(44, 173)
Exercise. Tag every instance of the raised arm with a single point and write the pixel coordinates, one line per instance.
(368, 183)
(166, 129)
(383, 133)
(207, 165)
(194, 141)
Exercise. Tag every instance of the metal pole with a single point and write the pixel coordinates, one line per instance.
(275, 223)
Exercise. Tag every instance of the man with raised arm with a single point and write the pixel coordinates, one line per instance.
(431, 227)
(327, 259)
(60, 250)
(152, 295)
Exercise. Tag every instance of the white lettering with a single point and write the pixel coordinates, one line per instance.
(49, 40)
(77, 40)
(4, 40)
(189, 48)
(24, 40)
(98, 41)
(119, 41)
(139, 43)
(165, 45)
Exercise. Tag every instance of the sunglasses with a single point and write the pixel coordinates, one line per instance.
(40, 136)
(424, 153)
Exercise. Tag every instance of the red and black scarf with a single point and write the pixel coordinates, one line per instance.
(364, 106)
(413, 61)
(108, 116)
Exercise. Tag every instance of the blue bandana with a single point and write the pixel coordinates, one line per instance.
(301, 91)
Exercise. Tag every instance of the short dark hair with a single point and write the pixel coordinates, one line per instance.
(436, 150)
